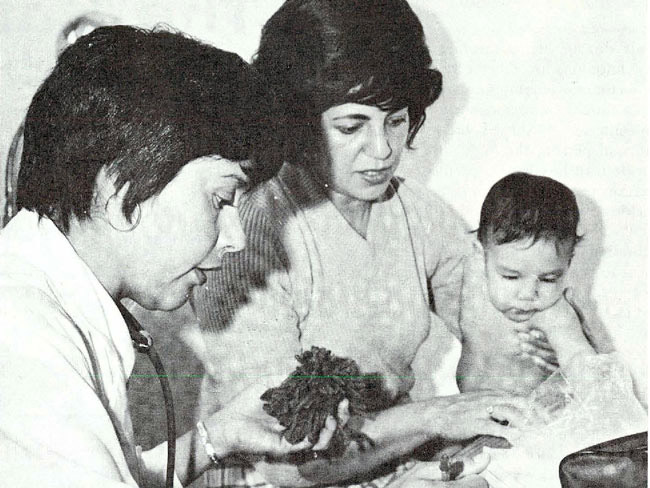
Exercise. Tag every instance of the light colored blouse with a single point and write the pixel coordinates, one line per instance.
(307, 278)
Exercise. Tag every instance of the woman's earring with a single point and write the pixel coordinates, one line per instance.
(122, 223)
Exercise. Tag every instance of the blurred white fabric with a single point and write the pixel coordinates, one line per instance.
(590, 401)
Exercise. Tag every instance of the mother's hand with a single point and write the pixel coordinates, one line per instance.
(466, 415)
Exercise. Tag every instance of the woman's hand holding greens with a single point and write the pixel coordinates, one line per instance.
(243, 427)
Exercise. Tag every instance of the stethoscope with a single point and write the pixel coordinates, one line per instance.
(143, 342)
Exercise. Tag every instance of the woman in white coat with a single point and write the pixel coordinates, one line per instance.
(137, 147)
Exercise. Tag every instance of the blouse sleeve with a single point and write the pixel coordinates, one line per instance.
(446, 248)
(247, 312)
(445, 243)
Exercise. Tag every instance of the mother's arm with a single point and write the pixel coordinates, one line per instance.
(398, 430)
(252, 347)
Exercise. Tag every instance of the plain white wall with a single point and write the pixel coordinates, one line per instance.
(550, 87)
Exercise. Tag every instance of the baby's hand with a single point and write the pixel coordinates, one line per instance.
(563, 316)
(562, 324)
(535, 346)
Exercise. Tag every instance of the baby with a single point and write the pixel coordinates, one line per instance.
(515, 283)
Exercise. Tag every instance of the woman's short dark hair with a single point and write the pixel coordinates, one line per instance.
(320, 53)
(524, 206)
(142, 103)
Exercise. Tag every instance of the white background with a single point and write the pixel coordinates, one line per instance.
(551, 87)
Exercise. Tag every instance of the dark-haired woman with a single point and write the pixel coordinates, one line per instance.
(340, 253)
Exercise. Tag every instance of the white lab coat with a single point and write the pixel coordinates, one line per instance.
(65, 357)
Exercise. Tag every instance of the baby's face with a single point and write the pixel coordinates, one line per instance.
(524, 279)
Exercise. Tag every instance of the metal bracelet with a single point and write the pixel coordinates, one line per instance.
(207, 445)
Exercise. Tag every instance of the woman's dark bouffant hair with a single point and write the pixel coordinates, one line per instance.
(523, 206)
(320, 53)
(142, 104)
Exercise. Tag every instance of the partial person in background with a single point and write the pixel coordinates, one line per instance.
(80, 26)
(342, 254)
(137, 148)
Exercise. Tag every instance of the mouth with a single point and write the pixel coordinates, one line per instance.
(521, 315)
(377, 176)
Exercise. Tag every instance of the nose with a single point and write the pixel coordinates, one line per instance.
(379, 144)
(231, 237)
(528, 290)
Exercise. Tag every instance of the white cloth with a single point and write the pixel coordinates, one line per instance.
(64, 418)
(588, 402)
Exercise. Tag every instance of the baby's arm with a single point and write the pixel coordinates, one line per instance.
(563, 328)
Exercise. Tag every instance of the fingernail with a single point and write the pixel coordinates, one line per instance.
(537, 334)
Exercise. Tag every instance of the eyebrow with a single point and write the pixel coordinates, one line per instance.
(503, 269)
(557, 272)
(365, 117)
(233, 183)
(239, 178)
(352, 116)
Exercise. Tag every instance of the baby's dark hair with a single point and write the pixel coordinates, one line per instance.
(522, 206)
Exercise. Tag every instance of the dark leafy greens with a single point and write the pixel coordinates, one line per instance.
(314, 390)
